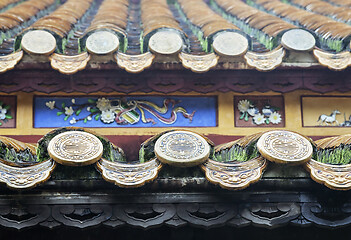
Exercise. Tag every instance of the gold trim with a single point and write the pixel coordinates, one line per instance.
(334, 61)
(69, 64)
(198, 63)
(234, 176)
(8, 62)
(337, 177)
(134, 63)
(265, 61)
(129, 175)
(26, 177)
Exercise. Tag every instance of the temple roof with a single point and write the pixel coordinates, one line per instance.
(198, 34)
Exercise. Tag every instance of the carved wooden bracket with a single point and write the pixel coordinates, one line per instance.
(265, 61)
(69, 64)
(134, 63)
(334, 61)
(198, 63)
(129, 175)
(8, 62)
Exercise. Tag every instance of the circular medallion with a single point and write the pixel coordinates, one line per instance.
(166, 42)
(75, 148)
(230, 44)
(102, 42)
(182, 149)
(285, 147)
(38, 42)
(298, 40)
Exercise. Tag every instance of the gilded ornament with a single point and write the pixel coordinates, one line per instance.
(38, 42)
(134, 63)
(182, 149)
(265, 61)
(230, 44)
(234, 176)
(334, 61)
(75, 148)
(198, 63)
(285, 147)
(8, 62)
(102, 42)
(166, 42)
(69, 64)
(129, 174)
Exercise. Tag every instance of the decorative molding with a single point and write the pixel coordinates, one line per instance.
(81, 216)
(327, 215)
(145, 215)
(234, 176)
(334, 61)
(265, 61)
(129, 175)
(209, 214)
(8, 62)
(321, 81)
(69, 64)
(270, 214)
(198, 63)
(134, 63)
(23, 216)
(26, 177)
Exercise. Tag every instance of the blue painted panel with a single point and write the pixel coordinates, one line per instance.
(136, 111)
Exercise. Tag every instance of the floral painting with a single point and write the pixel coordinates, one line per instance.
(259, 111)
(7, 111)
(125, 112)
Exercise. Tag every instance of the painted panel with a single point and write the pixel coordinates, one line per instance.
(136, 111)
(259, 111)
(7, 111)
(326, 111)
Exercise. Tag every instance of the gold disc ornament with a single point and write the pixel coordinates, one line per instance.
(102, 42)
(75, 148)
(166, 42)
(230, 44)
(285, 147)
(38, 42)
(182, 149)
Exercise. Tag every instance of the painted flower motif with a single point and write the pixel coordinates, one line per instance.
(243, 105)
(107, 116)
(3, 112)
(73, 101)
(88, 109)
(103, 104)
(73, 121)
(89, 118)
(259, 119)
(50, 104)
(69, 111)
(253, 111)
(275, 118)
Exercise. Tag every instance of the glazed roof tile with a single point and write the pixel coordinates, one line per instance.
(322, 25)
